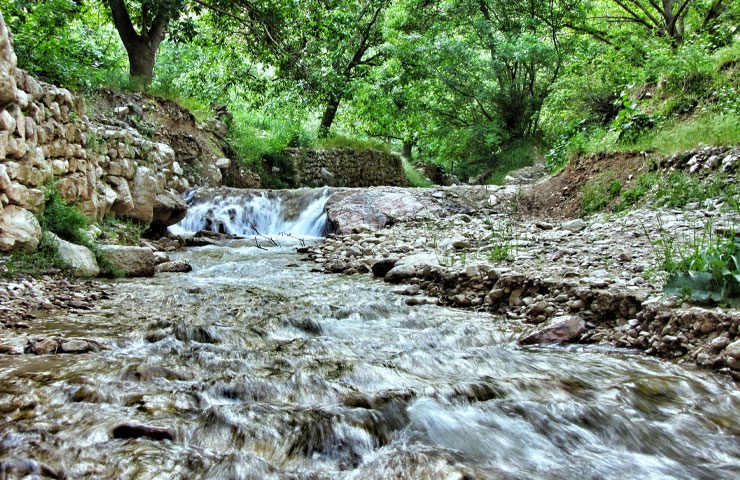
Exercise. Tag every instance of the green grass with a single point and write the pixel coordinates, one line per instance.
(338, 140)
(599, 192)
(415, 177)
(519, 155)
(639, 188)
(39, 262)
(676, 136)
(121, 231)
(679, 189)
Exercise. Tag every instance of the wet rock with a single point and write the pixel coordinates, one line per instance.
(561, 329)
(169, 208)
(400, 273)
(132, 261)
(29, 468)
(78, 257)
(44, 346)
(178, 266)
(575, 225)
(136, 430)
(75, 346)
(383, 266)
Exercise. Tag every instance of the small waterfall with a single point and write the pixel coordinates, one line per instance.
(255, 212)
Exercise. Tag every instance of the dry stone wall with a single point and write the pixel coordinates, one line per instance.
(46, 137)
(346, 167)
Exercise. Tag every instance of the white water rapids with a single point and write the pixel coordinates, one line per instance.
(256, 213)
(259, 367)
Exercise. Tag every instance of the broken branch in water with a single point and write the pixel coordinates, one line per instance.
(269, 239)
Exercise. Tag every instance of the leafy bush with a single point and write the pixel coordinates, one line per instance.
(705, 270)
(630, 123)
(65, 221)
(43, 260)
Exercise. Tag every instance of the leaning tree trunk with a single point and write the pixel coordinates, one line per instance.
(327, 119)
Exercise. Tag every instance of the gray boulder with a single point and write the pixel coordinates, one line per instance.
(558, 330)
(132, 261)
(78, 257)
(169, 209)
(19, 230)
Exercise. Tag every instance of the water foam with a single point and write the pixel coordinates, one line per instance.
(254, 213)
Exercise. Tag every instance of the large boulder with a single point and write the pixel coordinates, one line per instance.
(19, 230)
(132, 261)
(144, 194)
(373, 208)
(560, 329)
(169, 209)
(78, 257)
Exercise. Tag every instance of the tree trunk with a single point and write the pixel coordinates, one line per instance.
(408, 147)
(141, 60)
(327, 119)
(141, 47)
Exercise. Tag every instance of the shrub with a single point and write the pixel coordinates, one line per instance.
(65, 221)
(704, 270)
(414, 176)
(42, 261)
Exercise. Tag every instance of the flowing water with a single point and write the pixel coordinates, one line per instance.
(264, 369)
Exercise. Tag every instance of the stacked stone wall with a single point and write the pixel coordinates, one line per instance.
(346, 167)
(46, 137)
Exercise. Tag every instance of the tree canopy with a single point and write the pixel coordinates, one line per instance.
(459, 83)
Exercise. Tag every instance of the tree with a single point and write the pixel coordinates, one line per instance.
(152, 17)
(321, 47)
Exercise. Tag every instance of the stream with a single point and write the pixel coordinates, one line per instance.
(263, 369)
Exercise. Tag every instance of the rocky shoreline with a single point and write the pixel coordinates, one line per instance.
(590, 281)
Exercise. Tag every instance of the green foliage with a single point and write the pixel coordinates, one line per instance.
(415, 177)
(121, 231)
(630, 123)
(65, 42)
(639, 188)
(519, 155)
(66, 221)
(43, 260)
(679, 189)
(598, 193)
(343, 141)
(704, 270)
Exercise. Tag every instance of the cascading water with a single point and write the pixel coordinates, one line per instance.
(257, 368)
(249, 212)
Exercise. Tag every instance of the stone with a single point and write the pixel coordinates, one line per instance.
(381, 267)
(79, 258)
(75, 346)
(733, 350)
(169, 208)
(44, 346)
(558, 330)
(575, 225)
(136, 430)
(177, 266)
(19, 230)
(223, 163)
(400, 273)
(143, 193)
(132, 261)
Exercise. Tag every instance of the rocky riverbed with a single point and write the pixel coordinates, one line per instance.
(572, 280)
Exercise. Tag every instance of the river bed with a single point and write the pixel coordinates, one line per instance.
(262, 369)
